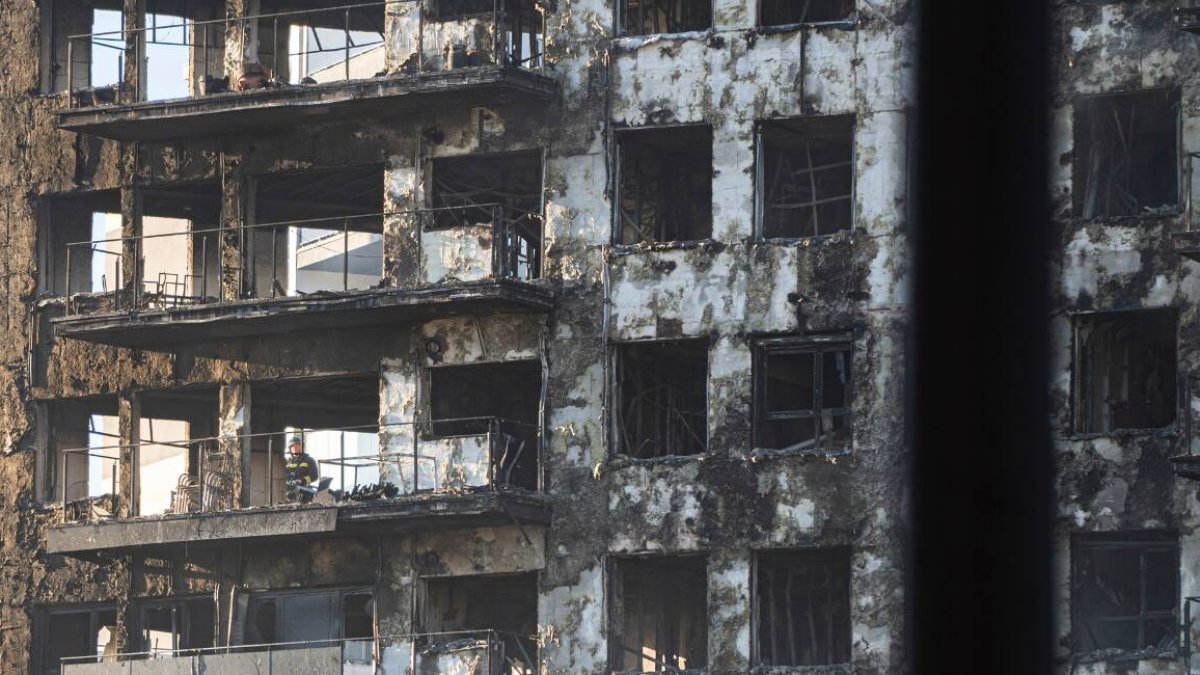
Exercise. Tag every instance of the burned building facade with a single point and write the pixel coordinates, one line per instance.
(590, 312)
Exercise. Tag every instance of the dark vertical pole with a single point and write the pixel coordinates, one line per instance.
(979, 593)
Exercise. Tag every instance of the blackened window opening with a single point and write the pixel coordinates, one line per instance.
(299, 616)
(1125, 371)
(1125, 591)
(163, 626)
(502, 398)
(803, 607)
(660, 615)
(807, 176)
(645, 17)
(662, 393)
(784, 12)
(1126, 153)
(502, 193)
(73, 633)
(802, 396)
(665, 184)
(504, 603)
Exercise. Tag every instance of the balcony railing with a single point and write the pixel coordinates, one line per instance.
(454, 455)
(307, 47)
(484, 652)
(454, 239)
(297, 258)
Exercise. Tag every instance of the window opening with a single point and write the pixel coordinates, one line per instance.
(92, 222)
(503, 603)
(310, 616)
(493, 198)
(1125, 370)
(1125, 591)
(660, 615)
(803, 396)
(662, 388)
(300, 44)
(785, 12)
(1126, 154)
(174, 625)
(803, 607)
(318, 231)
(664, 184)
(644, 17)
(498, 398)
(337, 421)
(807, 176)
(176, 474)
(76, 633)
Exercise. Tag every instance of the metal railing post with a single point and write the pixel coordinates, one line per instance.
(63, 488)
(203, 266)
(416, 448)
(345, 254)
(68, 284)
(347, 43)
(270, 471)
(204, 53)
(70, 72)
(274, 259)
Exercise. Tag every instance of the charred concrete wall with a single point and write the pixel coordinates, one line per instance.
(1120, 481)
(733, 289)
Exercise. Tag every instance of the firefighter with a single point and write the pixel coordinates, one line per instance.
(302, 470)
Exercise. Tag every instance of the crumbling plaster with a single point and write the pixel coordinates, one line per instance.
(1120, 481)
(727, 503)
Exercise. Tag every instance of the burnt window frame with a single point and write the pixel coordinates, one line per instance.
(339, 593)
(815, 344)
(1145, 542)
(41, 629)
(1076, 413)
(760, 172)
(849, 21)
(615, 607)
(834, 555)
(620, 12)
(615, 357)
(1079, 184)
(616, 160)
(138, 609)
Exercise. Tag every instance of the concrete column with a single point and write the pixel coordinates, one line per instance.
(402, 231)
(131, 227)
(134, 18)
(129, 419)
(240, 37)
(234, 425)
(235, 274)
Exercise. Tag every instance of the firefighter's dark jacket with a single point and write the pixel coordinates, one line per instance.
(302, 469)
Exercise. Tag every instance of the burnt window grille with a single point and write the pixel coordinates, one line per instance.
(806, 176)
(802, 395)
(645, 17)
(785, 12)
(662, 392)
(664, 184)
(1125, 591)
(1125, 370)
(1126, 153)
(659, 615)
(802, 607)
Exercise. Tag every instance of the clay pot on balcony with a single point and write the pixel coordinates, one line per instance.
(254, 76)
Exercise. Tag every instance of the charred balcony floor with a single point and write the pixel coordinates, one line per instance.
(486, 508)
(1186, 244)
(149, 328)
(282, 107)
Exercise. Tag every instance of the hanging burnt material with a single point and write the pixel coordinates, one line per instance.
(807, 176)
(665, 184)
(1126, 153)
